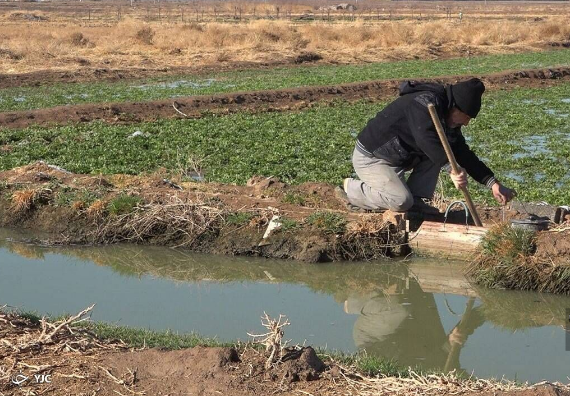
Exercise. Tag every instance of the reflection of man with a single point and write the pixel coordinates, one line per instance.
(403, 324)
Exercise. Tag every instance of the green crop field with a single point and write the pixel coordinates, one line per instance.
(26, 98)
(523, 134)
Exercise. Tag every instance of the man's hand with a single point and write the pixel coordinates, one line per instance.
(502, 194)
(459, 179)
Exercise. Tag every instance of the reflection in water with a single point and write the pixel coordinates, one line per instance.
(404, 324)
(417, 313)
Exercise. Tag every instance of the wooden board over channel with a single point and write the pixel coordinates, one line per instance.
(457, 241)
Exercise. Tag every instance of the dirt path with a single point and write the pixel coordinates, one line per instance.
(50, 77)
(258, 101)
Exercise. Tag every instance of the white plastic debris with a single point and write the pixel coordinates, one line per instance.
(274, 224)
(54, 167)
(136, 134)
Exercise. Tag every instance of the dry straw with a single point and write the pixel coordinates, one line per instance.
(131, 43)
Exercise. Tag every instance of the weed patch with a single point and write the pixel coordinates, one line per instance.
(123, 204)
(239, 218)
(329, 222)
(507, 261)
(294, 198)
(288, 224)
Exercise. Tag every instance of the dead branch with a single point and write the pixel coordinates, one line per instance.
(46, 337)
(273, 339)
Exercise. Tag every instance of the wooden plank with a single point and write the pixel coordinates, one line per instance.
(447, 240)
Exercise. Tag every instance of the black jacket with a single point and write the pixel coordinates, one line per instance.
(404, 132)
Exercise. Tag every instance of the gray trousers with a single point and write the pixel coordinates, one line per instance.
(383, 186)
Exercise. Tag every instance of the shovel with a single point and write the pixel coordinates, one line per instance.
(453, 163)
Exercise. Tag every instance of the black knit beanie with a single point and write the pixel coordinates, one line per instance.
(467, 96)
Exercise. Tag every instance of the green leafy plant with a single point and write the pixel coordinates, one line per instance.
(294, 198)
(288, 224)
(328, 221)
(239, 218)
(123, 204)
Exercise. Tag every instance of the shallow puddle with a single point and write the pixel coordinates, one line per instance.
(179, 84)
(531, 145)
(420, 312)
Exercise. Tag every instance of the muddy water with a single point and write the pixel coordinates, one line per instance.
(418, 313)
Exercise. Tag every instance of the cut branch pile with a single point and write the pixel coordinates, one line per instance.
(29, 348)
(180, 222)
(433, 385)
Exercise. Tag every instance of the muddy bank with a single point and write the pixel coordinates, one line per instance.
(203, 217)
(76, 358)
(265, 218)
(160, 209)
(260, 101)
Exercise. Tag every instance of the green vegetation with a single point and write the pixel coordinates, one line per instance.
(123, 204)
(331, 222)
(507, 243)
(372, 366)
(137, 338)
(522, 134)
(288, 224)
(25, 98)
(239, 218)
(507, 262)
(294, 198)
(67, 196)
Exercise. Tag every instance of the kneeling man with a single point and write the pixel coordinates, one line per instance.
(402, 137)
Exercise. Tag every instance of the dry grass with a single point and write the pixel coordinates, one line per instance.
(28, 46)
(24, 200)
(96, 209)
(177, 221)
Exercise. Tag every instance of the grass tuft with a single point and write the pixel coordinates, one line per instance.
(507, 244)
(138, 338)
(507, 262)
(329, 222)
(123, 204)
(239, 218)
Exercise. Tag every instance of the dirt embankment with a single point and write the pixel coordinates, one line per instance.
(204, 217)
(258, 101)
(48, 358)
(49, 77)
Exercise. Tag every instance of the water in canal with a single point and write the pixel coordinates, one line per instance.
(419, 312)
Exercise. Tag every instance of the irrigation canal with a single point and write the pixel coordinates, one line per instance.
(418, 312)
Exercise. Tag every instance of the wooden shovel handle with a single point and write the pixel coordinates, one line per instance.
(453, 162)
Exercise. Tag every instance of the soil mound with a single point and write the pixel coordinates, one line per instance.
(553, 246)
(302, 365)
(158, 365)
